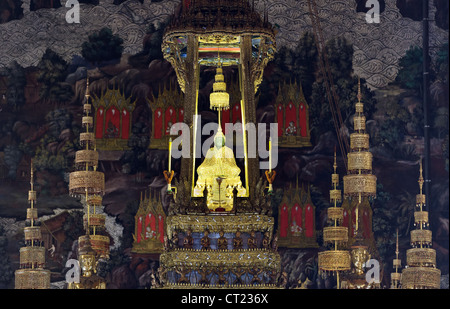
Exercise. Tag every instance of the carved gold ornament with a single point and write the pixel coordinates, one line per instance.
(334, 260)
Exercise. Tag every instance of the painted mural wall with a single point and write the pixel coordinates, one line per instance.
(378, 46)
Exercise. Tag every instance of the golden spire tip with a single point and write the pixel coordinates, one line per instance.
(396, 246)
(359, 90)
(335, 161)
(87, 86)
(421, 180)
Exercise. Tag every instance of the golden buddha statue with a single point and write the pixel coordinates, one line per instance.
(88, 264)
(219, 174)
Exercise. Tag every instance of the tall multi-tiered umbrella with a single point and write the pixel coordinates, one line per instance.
(336, 259)
(420, 271)
(397, 264)
(31, 273)
(89, 183)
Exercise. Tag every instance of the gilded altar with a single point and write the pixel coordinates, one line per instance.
(292, 116)
(296, 219)
(150, 226)
(113, 116)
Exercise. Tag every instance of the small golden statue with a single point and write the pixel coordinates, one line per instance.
(88, 265)
(219, 174)
(188, 241)
(266, 241)
(237, 241)
(360, 255)
(222, 242)
(205, 241)
(252, 241)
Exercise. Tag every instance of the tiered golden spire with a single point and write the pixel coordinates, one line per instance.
(335, 259)
(397, 263)
(359, 187)
(421, 271)
(360, 182)
(31, 273)
(88, 182)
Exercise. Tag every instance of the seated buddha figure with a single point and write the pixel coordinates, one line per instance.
(219, 174)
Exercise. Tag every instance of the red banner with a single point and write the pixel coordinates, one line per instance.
(280, 119)
(139, 230)
(236, 112)
(125, 124)
(309, 221)
(161, 228)
(302, 118)
(99, 122)
(158, 125)
(284, 221)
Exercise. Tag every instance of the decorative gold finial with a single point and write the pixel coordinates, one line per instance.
(359, 90)
(31, 174)
(359, 105)
(396, 246)
(87, 87)
(335, 164)
(421, 180)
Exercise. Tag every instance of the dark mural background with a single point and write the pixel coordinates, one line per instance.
(40, 118)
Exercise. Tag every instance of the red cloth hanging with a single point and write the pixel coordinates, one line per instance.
(236, 112)
(309, 221)
(139, 230)
(99, 122)
(161, 228)
(280, 119)
(366, 222)
(345, 220)
(181, 115)
(284, 221)
(302, 119)
(158, 126)
(125, 124)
